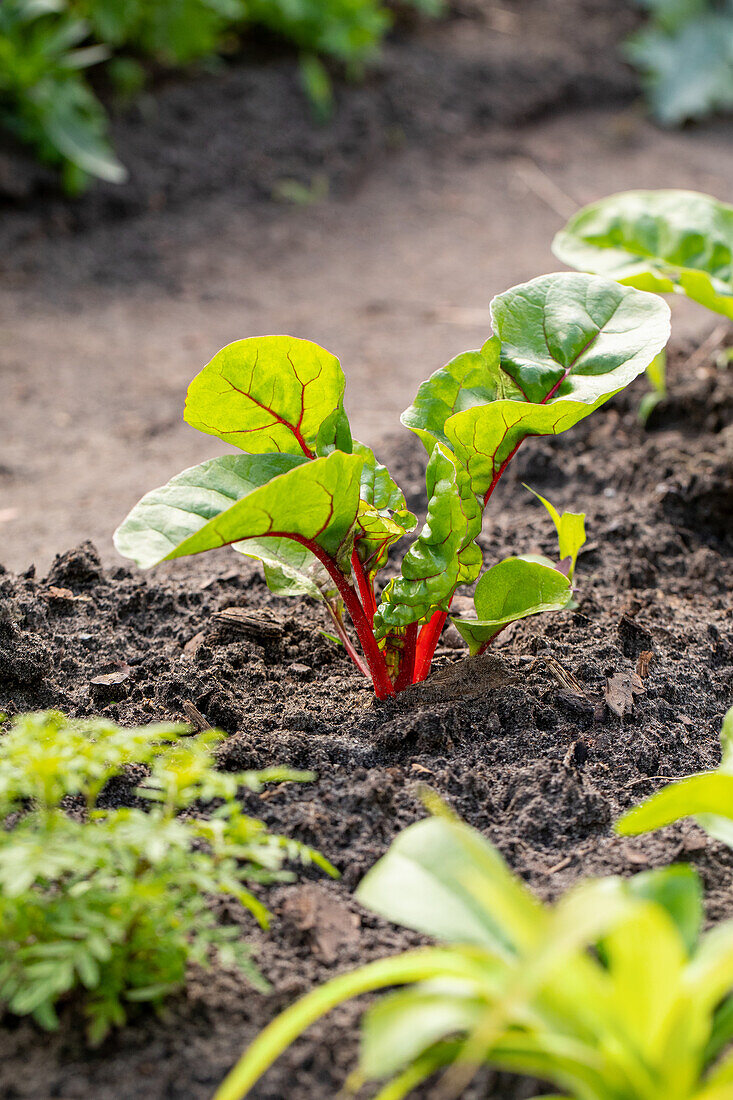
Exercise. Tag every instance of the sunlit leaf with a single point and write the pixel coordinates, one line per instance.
(661, 241)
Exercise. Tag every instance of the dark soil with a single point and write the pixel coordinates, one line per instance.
(248, 127)
(540, 768)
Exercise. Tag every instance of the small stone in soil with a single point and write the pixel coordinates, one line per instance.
(300, 671)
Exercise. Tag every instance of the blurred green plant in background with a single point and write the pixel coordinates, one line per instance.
(685, 57)
(47, 103)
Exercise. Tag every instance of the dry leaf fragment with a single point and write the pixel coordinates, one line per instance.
(109, 679)
(327, 923)
(620, 690)
(56, 593)
(644, 660)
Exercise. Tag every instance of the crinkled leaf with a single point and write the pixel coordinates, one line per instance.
(444, 554)
(570, 342)
(511, 590)
(237, 497)
(473, 378)
(383, 514)
(570, 527)
(661, 241)
(576, 337)
(269, 393)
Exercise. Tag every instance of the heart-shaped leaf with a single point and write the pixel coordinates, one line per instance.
(270, 393)
(576, 337)
(513, 589)
(569, 342)
(656, 240)
(236, 497)
(444, 554)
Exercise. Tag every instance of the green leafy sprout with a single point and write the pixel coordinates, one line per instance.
(678, 242)
(708, 797)
(113, 904)
(321, 513)
(610, 994)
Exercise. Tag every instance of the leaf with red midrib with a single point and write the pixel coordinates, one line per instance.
(267, 394)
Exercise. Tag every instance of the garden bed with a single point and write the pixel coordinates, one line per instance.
(525, 743)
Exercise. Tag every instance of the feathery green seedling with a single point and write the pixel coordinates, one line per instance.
(321, 513)
(708, 797)
(113, 902)
(610, 994)
(663, 241)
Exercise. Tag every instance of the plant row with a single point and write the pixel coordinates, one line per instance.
(614, 993)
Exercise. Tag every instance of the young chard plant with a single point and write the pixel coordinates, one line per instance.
(664, 241)
(708, 797)
(321, 513)
(112, 903)
(611, 994)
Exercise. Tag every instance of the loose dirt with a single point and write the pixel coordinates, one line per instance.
(542, 768)
(447, 175)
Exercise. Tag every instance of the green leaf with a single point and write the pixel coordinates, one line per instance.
(678, 890)
(513, 589)
(570, 527)
(75, 123)
(686, 63)
(577, 337)
(569, 342)
(290, 568)
(383, 514)
(473, 378)
(661, 241)
(444, 554)
(709, 794)
(430, 881)
(237, 497)
(400, 1027)
(268, 393)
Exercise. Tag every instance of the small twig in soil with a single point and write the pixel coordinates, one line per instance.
(195, 716)
(707, 347)
(564, 678)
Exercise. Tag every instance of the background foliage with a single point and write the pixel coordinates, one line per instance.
(685, 57)
(47, 102)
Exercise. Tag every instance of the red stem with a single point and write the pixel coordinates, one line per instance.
(485, 645)
(430, 634)
(346, 640)
(383, 686)
(426, 644)
(365, 589)
(407, 664)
